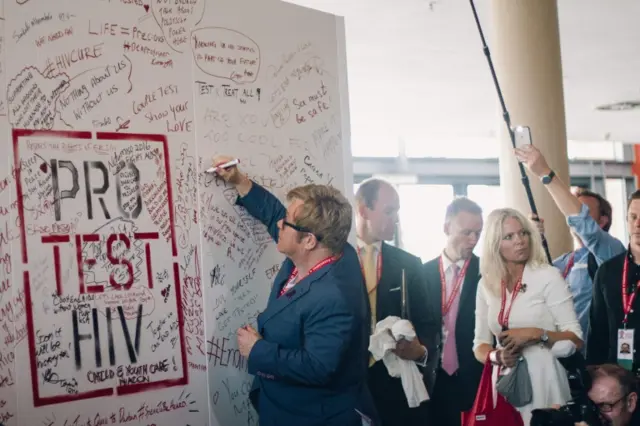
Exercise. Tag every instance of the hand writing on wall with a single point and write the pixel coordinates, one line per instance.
(232, 175)
(247, 337)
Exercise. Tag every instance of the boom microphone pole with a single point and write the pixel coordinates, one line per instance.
(507, 120)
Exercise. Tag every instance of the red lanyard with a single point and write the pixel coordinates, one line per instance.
(570, 263)
(294, 273)
(627, 299)
(378, 269)
(503, 317)
(446, 304)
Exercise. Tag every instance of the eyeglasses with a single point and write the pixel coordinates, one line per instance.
(607, 407)
(300, 229)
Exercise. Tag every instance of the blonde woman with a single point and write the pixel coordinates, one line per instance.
(526, 305)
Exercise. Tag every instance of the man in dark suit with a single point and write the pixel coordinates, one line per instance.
(309, 354)
(452, 281)
(615, 303)
(383, 266)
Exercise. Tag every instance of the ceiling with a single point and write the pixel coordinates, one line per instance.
(417, 72)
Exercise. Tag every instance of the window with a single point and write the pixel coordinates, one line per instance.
(453, 148)
(422, 210)
(595, 151)
(372, 141)
(489, 197)
(616, 195)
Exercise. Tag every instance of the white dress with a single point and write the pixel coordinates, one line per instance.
(546, 304)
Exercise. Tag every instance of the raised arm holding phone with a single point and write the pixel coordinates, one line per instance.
(589, 216)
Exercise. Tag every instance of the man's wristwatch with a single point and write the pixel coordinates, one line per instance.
(546, 179)
(545, 337)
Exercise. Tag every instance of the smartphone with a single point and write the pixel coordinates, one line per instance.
(522, 136)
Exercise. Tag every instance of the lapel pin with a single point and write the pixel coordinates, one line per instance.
(523, 288)
(290, 294)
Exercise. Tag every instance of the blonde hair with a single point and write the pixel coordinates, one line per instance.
(492, 265)
(325, 212)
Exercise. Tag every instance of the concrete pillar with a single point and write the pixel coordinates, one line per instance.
(525, 47)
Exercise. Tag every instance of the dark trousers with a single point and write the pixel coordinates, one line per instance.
(444, 407)
(391, 402)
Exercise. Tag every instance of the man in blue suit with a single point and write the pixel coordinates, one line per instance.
(310, 352)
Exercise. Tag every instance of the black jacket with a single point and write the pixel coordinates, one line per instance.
(606, 313)
(470, 369)
(388, 393)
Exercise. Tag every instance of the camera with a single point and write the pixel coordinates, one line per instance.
(568, 415)
(580, 408)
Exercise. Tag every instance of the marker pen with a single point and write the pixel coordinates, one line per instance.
(223, 166)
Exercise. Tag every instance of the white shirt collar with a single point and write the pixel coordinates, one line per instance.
(446, 262)
(361, 244)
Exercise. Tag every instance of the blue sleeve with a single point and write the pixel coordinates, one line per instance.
(603, 245)
(327, 332)
(265, 207)
(561, 262)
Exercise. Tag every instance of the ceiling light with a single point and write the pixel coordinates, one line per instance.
(620, 106)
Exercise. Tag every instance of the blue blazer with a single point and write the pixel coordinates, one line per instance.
(311, 364)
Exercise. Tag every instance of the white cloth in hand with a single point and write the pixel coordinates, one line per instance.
(381, 344)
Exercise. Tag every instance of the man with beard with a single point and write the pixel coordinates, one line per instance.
(614, 320)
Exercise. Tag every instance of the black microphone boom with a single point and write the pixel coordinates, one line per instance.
(507, 120)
